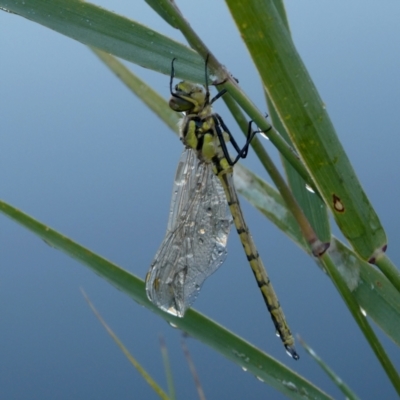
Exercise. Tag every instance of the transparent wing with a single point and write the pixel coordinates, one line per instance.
(195, 243)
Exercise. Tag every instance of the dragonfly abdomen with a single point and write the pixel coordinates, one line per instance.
(257, 266)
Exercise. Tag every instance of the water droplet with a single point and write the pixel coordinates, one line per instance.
(244, 369)
(173, 325)
(363, 312)
(277, 334)
(242, 356)
(309, 188)
(49, 244)
(291, 386)
(151, 33)
(264, 135)
(202, 231)
(260, 379)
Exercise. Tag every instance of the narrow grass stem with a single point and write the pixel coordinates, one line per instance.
(361, 321)
(308, 232)
(279, 142)
(385, 264)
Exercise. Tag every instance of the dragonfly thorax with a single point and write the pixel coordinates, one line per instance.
(198, 132)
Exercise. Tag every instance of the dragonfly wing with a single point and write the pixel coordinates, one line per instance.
(196, 239)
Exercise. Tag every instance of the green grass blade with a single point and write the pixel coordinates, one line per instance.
(193, 371)
(371, 289)
(158, 7)
(112, 33)
(149, 96)
(359, 316)
(349, 394)
(167, 368)
(303, 114)
(152, 383)
(312, 205)
(195, 324)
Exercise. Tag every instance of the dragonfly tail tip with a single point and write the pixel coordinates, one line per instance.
(292, 352)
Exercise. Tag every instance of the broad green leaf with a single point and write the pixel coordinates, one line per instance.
(195, 324)
(304, 116)
(312, 205)
(112, 33)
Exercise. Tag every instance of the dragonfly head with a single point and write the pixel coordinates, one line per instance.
(188, 97)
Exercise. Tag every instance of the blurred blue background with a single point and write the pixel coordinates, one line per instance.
(80, 153)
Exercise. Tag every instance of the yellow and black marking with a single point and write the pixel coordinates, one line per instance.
(205, 132)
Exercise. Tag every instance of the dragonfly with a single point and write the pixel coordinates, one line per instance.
(204, 204)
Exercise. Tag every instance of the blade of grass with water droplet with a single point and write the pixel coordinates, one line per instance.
(112, 33)
(304, 116)
(195, 324)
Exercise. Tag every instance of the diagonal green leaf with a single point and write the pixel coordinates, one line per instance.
(304, 116)
(312, 205)
(195, 324)
(112, 33)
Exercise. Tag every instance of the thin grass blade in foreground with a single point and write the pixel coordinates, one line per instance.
(195, 324)
(350, 395)
(152, 383)
(193, 371)
(167, 367)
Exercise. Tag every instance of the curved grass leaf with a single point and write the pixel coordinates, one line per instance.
(112, 33)
(195, 324)
(312, 205)
(304, 116)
